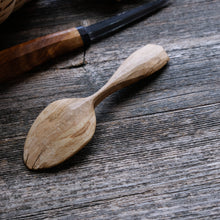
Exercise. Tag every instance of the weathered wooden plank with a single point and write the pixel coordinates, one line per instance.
(172, 165)
(184, 86)
(155, 153)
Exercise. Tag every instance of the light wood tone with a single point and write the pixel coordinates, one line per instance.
(23, 57)
(67, 125)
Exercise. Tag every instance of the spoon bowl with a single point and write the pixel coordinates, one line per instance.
(61, 130)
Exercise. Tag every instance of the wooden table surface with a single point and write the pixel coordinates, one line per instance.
(156, 149)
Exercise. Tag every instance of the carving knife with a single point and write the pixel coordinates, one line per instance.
(23, 57)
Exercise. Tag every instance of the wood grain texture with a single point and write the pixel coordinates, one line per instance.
(9, 6)
(65, 126)
(23, 57)
(155, 153)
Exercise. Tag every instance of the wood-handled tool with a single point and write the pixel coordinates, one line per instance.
(23, 57)
(66, 126)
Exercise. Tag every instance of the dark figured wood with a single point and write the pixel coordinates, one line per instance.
(155, 153)
(23, 57)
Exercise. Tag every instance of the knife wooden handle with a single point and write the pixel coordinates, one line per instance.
(23, 57)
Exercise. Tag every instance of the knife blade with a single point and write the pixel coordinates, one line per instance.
(23, 57)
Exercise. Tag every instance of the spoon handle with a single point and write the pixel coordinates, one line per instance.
(138, 65)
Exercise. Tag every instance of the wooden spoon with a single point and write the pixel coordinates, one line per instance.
(67, 125)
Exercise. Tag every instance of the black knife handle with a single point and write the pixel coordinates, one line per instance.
(85, 36)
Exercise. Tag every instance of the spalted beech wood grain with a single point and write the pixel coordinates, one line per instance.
(67, 125)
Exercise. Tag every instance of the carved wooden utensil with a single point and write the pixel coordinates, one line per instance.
(66, 126)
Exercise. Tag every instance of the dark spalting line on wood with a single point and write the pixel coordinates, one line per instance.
(155, 153)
